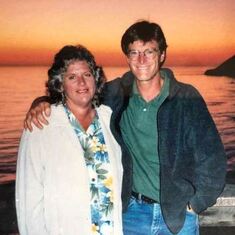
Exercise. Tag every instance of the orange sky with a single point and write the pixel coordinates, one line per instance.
(198, 32)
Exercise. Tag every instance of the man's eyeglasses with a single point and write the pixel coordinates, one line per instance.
(148, 54)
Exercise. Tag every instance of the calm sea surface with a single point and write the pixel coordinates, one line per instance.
(20, 85)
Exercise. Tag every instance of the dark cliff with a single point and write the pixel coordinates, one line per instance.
(227, 68)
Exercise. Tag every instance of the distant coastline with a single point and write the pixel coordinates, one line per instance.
(227, 68)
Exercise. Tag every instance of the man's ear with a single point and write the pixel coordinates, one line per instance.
(127, 60)
(162, 56)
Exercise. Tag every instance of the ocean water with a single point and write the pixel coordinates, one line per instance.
(20, 85)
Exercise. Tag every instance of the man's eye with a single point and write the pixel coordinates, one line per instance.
(149, 52)
(133, 53)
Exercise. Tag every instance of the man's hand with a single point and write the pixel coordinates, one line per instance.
(37, 115)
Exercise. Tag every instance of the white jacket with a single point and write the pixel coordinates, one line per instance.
(52, 186)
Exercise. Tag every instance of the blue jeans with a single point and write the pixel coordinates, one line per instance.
(146, 219)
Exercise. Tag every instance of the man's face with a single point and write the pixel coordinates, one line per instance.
(144, 59)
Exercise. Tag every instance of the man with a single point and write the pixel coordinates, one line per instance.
(179, 164)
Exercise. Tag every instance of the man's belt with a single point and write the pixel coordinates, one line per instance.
(143, 198)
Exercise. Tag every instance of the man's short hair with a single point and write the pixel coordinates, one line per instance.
(144, 31)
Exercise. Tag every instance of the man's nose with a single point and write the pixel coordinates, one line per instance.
(141, 57)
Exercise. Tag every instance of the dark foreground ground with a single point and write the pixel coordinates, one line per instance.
(8, 224)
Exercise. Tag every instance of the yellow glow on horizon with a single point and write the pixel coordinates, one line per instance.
(32, 32)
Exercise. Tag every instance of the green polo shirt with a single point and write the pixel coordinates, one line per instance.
(139, 130)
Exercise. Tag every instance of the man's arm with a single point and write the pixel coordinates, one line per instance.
(210, 158)
(39, 110)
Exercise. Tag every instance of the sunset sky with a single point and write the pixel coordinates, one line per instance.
(198, 32)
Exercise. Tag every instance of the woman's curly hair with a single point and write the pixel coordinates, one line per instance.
(66, 56)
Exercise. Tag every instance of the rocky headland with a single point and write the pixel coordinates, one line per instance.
(227, 68)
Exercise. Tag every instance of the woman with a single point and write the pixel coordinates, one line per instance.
(69, 174)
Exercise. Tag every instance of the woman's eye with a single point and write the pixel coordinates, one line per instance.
(72, 77)
(87, 75)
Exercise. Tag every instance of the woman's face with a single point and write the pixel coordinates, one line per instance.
(79, 84)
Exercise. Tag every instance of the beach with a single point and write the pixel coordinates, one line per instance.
(8, 221)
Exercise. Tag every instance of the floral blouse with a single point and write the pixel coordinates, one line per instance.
(100, 177)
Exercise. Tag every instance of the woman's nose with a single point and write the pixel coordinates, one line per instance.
(80, 80)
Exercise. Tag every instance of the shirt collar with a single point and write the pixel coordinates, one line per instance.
(164, 89)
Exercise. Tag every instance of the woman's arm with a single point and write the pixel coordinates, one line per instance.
(30, 186)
